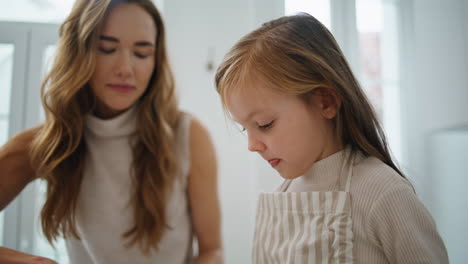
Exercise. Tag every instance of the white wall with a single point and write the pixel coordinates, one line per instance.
(435, 84)
(448, 151)
(434, 99)
(200, 32)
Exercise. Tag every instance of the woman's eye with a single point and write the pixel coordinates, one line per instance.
(106, 51)
(266, 126)
(141, 56)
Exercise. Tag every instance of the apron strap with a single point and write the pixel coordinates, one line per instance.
(284, 186)
(348, 165)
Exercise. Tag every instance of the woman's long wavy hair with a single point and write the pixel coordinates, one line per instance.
(58, 150)
(296, 55)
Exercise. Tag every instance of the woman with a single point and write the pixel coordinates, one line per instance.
(130, 178)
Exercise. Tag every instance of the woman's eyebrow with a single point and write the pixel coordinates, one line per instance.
(138, 43)
(144, 44)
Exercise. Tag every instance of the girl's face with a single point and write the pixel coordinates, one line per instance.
(286, 131)
(125, 59)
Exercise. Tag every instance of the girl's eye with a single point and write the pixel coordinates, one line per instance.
(266, 126)
(106, 51)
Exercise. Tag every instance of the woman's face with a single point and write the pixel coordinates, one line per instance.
(125, 59)
(287, 132)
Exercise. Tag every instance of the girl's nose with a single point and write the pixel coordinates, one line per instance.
(256, 145)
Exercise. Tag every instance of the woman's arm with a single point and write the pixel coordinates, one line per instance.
(15, 167)
(203, 195)
(15, 173)
(9, 256)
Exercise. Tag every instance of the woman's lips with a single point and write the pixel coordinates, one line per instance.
(123, 88)
(274, 162)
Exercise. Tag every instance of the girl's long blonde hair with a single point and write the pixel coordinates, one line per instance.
(296, 55)
(58, 150)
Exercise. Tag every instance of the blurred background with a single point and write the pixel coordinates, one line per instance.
(411, 57)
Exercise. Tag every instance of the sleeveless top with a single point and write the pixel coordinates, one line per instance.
(104, 211)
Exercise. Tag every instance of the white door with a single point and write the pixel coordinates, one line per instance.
(13, 50)
(25, 53)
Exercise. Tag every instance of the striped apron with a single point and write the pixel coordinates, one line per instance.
(305, 227)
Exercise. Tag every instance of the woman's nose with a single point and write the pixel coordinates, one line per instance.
(124, 66)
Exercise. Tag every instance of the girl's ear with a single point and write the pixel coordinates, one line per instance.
(327, 101)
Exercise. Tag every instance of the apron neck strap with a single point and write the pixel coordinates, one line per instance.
(347, 168)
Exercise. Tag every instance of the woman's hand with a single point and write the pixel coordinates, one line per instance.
(10, 256)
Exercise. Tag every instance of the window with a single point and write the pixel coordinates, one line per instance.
(379, 61)
(320, 9)
(368, 34)
(44, 11)
(6, 70)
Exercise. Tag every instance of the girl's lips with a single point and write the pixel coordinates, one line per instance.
(123, 88)
(274, 162)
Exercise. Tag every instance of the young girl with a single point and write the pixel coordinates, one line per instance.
(130, 178)
(343, 199)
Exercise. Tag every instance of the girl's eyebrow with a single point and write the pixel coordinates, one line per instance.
(249, 116)
(116, 40)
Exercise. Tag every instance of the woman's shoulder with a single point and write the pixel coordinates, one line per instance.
(192, 136)
(185, 116)
(190, 126)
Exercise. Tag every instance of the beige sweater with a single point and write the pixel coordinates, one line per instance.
(390, 224)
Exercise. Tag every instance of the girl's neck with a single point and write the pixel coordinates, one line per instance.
(322, 175)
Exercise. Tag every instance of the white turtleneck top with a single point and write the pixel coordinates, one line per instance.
(104, 211)
(390, 223)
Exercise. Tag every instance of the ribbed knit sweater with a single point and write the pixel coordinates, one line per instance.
(390, 223)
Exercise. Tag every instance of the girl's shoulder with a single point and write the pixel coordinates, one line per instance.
(372, 167)
(388, 214)
(373, 178)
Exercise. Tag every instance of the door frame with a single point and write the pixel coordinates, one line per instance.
(30, 41)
